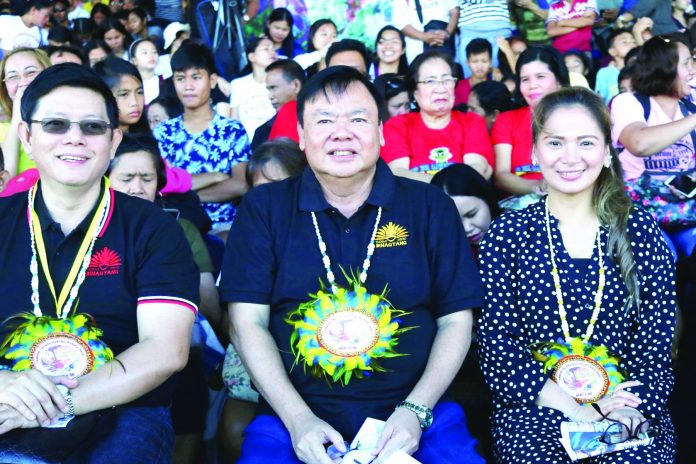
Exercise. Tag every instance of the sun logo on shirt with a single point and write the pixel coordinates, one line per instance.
(391, 235)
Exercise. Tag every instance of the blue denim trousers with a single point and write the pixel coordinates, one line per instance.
(447, 441)
(138, 435)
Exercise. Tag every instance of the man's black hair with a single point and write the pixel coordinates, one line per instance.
(132, 143)
(193, 55)
(38, 4)
(614, 34)
(334, 79)
(348, 45)
(478, 46)
(60, 49)
(67, 75)
(290, 69)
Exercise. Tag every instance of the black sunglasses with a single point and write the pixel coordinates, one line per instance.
(62, 126)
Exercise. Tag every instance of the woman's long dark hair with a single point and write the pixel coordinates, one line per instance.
(111, 70)
(609, 199)
(544, 54)
(461, 180)
(403, 64)
(283, 14)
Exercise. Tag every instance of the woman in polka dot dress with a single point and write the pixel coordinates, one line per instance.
(585, 224)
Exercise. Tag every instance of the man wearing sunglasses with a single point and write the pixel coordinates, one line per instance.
(113, 274)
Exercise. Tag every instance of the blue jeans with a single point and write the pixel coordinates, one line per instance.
(139, 435)
(447, 441)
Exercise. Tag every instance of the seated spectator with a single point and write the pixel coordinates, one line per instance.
(474, 198)
(60, 14)
(26, 30)
(60, 35)
(621, 41)
(489, 20)
(66, 54)
(174, 34)
(284, 80)
(17, 70)
(540, 71)
(433, 26)
(139, 28)
(390, 56)
(212, 148)
(488, 99)
(126, 84)
(249, 100)
(348, 52)
(346, 196)
(4, 175)
(138, 170)
(271, 162)
(322, 33)
(163, 109)
(99, 14)
(96, 50)
(586, 220)
(656, 130)
(76, 11)
(144, 56)
(569, 24)
(478, 59)
(579, 64)
(419, 144)
(279, 30)
(116, 37)
(625, 79)
(392, 88)
(137, 283)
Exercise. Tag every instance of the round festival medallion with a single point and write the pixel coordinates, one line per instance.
(61, 354)
(582, 378)
(348, 332)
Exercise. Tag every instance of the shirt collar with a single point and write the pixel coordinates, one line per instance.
(312, 198)
(47, 222)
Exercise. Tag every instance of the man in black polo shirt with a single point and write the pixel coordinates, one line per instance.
(326, 362)
(73, 247)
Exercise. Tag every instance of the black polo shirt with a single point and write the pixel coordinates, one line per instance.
(272, 257)
(142, 257)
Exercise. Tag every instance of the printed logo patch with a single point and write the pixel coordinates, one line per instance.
(104, 262)
(391, 235)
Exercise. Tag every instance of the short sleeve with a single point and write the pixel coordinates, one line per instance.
(502, 129)
(396, 139)
(455, 279)
(625, 110)
(166, 271)
(248, 268)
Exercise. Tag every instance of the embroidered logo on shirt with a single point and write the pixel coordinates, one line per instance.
(391, 235)
(440, 155)
(104, 262)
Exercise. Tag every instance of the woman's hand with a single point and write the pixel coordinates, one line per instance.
(619, 398)
(632, 419)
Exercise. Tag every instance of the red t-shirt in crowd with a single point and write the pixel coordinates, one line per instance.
(430, 150)
(285, 124)
(515, 128)
(462, 91)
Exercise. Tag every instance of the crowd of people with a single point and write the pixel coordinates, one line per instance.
(474, 228)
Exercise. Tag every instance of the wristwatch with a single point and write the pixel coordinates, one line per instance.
(68, 400)
(424, 413)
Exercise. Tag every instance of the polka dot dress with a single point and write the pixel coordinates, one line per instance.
(521, 309)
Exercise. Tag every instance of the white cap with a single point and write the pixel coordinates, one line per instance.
(172, 30)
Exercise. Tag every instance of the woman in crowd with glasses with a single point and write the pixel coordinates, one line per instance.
(17, 70)
(579, 314)
(417, 145)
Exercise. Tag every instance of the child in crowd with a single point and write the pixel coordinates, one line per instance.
(126, 84)
(214, 149)
(249, 96)
(580, 68)
(144, 56)
(570, 22)
(279, 30)
(479, 58)
(621, 41)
